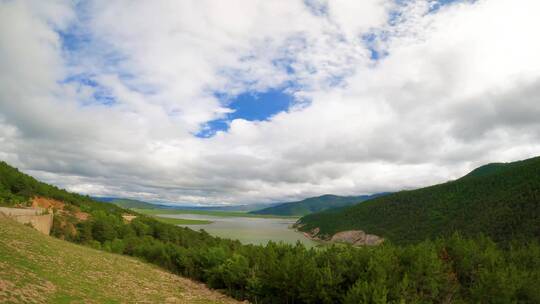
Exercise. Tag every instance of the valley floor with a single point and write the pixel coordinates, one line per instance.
(35, 268)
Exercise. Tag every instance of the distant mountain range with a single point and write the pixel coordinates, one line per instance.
(499, 200)
(128, 203)
(315, 204)
(132, 203)
(298, 208)
(235, 208)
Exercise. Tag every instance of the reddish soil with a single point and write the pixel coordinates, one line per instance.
(49, 203)
(81, 216)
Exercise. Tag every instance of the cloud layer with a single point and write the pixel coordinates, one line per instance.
(105, 97)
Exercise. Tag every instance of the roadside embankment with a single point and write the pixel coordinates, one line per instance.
(41, 219)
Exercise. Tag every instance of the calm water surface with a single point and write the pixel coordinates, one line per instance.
(248, 230)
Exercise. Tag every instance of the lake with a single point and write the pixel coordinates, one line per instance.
(247, 230)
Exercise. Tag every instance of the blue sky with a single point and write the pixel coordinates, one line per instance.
(260, 106)
(77, 42)
(251, 106)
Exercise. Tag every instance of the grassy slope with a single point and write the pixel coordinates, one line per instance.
(313, 204)
(35, 268)
(500, 200)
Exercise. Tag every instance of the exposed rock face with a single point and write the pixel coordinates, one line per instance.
(58, 206)
(354, 237)
(47, 203)
(357, 237)
(128, 217)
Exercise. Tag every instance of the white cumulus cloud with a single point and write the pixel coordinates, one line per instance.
(104, 97)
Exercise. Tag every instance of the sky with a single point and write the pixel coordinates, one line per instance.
(249, 101)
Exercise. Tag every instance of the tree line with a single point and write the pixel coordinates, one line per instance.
(445, 270)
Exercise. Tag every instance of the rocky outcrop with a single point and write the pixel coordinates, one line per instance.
(59, 206)
(354, 237)
(40, 219)
(357, 237)
(128, 217)
(313, 235)
(47, 203)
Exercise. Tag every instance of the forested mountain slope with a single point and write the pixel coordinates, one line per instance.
(501, 201)
(314, 204)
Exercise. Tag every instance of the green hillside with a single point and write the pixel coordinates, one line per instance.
(35, 268)
(488, 169)
(314, 204)
(501, 201)
(17, 188)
